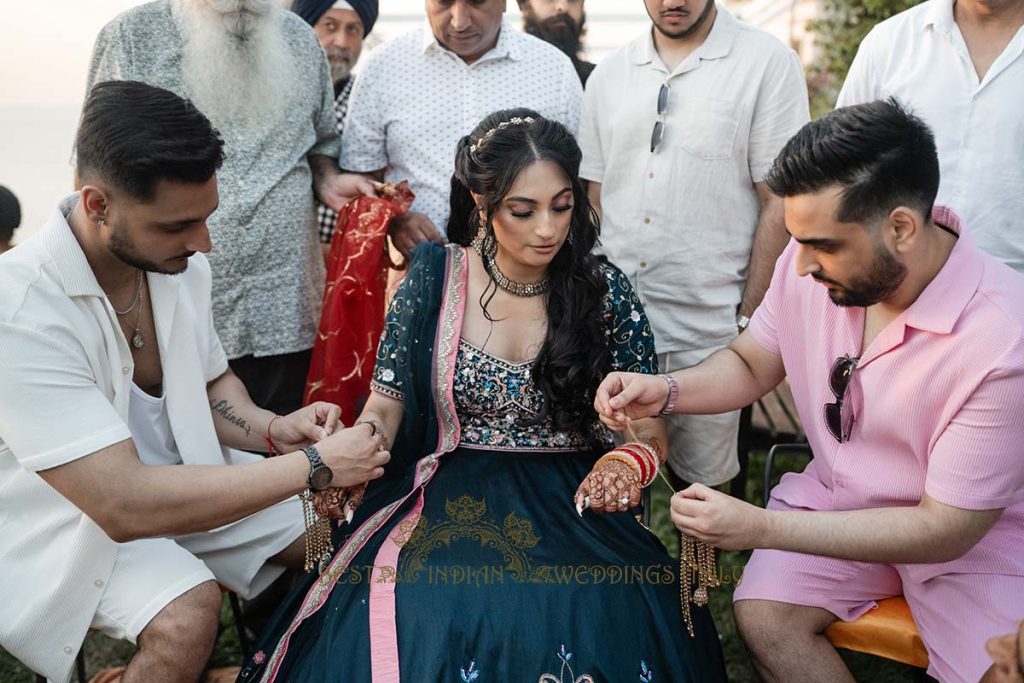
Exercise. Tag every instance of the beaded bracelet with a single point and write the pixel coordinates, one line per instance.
(673, 395)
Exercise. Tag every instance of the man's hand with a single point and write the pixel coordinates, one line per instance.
(410, 229)
(625, 396)
(718, 519)
(336, 189)
(610, 487)
(354, 455)
(305, 426)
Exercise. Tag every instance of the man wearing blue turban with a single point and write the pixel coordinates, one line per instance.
(341, 27)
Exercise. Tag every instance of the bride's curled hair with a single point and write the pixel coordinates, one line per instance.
(574, 357)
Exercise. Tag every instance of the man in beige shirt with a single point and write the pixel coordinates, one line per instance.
(679, 128)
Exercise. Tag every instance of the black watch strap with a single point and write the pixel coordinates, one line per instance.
(314, 457)
(320, 475)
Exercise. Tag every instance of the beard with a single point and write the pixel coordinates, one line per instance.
(235, 62)
(687, 32)
(883, 277)
(560, 30)
(122, 246)
(341, 62)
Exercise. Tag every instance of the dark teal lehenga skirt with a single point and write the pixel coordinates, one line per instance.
(502, 582)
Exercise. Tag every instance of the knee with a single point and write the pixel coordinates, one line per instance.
(188, 624)
(767, 626)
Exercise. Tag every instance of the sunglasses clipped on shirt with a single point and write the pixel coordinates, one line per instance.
(839, 423)
(659, 126)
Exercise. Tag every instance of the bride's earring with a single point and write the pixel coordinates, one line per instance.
(481, 233)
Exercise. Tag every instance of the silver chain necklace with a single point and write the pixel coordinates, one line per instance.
(136, 340)
(523, 289)
(138, 297)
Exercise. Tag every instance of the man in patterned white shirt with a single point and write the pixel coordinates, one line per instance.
(341, 27)
(421, 92)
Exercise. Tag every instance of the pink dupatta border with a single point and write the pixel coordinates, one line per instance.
(382, 619)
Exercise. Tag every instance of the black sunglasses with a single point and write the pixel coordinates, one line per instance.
(839, 382)
(659, 126)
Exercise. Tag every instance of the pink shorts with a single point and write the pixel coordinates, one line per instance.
(955, 613)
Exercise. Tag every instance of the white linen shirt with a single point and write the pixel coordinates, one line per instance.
(65, 383)
(920, 57)
(414, 100)
(680, 221)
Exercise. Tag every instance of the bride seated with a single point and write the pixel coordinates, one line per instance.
(502, 542)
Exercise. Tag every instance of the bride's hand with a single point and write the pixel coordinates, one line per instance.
(610, 487)
(338, 503)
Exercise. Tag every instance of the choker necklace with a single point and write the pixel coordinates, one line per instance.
(136, 339)
(523, 289)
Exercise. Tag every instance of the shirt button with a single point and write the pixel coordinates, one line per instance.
(647, 220)
(643, 264)
(651, 175)
(68, 650)
(241, 183)
(125, 370)
(99, 583)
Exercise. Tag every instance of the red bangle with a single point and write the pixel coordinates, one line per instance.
(271, 448)
(645, 458)
(642, 462)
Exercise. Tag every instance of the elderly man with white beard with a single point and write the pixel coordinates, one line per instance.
(259, 74)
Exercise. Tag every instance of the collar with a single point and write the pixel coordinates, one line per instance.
(77, 278)
(717, 45)
(938, 14)
(73, 269)
(509, 45)
(940, 305)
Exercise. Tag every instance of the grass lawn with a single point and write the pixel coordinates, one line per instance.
(103, 652)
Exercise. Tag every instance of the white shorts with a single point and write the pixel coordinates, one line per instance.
(701, 448)
(150, 573)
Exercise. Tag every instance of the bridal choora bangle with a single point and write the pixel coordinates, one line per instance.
(641, 457)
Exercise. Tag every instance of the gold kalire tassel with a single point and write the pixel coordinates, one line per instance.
(318, 535)
(696, 565)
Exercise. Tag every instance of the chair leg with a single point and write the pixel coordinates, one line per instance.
(738, 486)
(80, 665)
(243, 638)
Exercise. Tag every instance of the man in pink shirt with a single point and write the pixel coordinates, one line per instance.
(905, 352)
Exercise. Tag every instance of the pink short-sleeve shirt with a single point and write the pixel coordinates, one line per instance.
(937, 397)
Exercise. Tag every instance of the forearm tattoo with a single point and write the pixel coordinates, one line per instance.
(224, 410)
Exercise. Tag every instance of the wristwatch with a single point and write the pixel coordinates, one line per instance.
(320, 475)
(742, 321)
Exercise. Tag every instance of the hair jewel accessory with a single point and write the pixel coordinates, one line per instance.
(485, 138)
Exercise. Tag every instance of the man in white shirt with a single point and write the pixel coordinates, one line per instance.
(119, 416)
(960, 67)
(679, 129)
(420, 93)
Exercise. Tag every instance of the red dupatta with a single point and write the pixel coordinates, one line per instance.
(352, 317)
